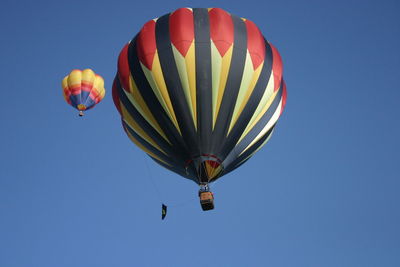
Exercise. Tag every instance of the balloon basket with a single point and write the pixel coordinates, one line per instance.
(206, 200)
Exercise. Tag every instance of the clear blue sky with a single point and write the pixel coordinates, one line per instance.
(323, 192)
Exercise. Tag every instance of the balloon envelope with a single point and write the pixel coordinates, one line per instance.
(83, 89)
(200, 91)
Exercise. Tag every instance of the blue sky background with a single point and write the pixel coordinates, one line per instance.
(323, 192)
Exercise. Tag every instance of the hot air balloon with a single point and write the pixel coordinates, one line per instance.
(83, 89)
(200, 91)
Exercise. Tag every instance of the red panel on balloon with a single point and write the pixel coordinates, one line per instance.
(123, 68)
(255, 44)
(221, 29)
(276, 67)
(146, 44)
(181, 29)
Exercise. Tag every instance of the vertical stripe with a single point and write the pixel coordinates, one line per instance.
(223, 77)
(156, 80)
(216, 66)
(239, 152)
(244, 90)
(233, 160)
(186, 80)
(137, 101)
(154, 105)
(190, 60)
(139, 141)
(203, 78)
(260, 125)
(254, 102)
(173, 84)
(144, 124)
(130, 121)
(268, 126)
(246, 96)
(232, 84)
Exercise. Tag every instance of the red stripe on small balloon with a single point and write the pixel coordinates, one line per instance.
(94, 94)
(75, 89)
(86, 86)
(67, 92)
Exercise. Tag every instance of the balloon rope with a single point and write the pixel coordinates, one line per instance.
(158, 192)
(182, 203)
(152, 180)
(198, 171)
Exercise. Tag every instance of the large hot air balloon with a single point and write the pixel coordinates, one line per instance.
(200, 91)
(83, 89)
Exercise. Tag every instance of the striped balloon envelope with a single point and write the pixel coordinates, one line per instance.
(83, 89)
(200, 91)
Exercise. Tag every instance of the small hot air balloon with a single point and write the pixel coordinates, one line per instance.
(83, 89)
